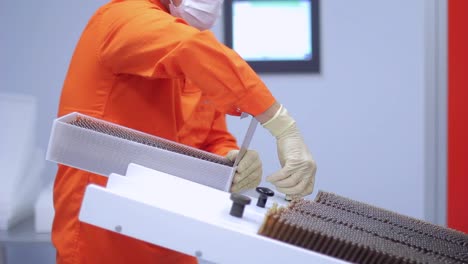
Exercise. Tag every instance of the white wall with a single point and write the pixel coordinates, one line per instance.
(363, 116)
(37, 39)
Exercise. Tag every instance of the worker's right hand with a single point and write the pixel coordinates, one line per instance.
(297, 176)
(249, 170)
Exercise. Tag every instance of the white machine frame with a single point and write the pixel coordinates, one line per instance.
(187, 217)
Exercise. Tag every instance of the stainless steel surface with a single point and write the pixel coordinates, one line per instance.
(246, 142)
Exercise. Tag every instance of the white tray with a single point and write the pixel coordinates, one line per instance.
(104, 153)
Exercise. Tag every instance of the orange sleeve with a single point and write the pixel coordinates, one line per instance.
(219, 140)
(153, 44)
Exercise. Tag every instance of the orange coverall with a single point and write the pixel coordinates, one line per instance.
(140, 67)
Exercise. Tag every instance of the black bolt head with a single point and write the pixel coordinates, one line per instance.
(265, 191)
(239, 202)
(240, 199)
(264, 194)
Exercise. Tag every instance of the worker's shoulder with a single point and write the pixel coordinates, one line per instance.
(123, 11)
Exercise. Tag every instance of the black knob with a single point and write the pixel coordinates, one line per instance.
(264, 194)
(239, 202)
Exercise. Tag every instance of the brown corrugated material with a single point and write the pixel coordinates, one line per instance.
(361, 233)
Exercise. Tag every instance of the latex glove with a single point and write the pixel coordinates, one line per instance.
(296, 178)
(249, 170)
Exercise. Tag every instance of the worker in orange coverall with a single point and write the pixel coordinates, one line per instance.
(151, 65)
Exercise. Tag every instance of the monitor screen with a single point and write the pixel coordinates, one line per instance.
(289, 20)
(274, 35)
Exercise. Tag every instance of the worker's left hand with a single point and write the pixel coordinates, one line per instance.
(296, 178)
(249, 171)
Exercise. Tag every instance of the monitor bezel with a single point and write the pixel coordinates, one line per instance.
(311, 65)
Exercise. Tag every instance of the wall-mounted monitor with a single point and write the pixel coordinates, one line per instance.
(274, 35)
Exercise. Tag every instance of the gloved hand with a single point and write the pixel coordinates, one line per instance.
(297, 176)
(249, 170)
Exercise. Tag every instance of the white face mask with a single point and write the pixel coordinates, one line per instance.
(201, 14)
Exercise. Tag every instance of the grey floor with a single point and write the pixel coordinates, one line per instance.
(28, 253)
(34, 253)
